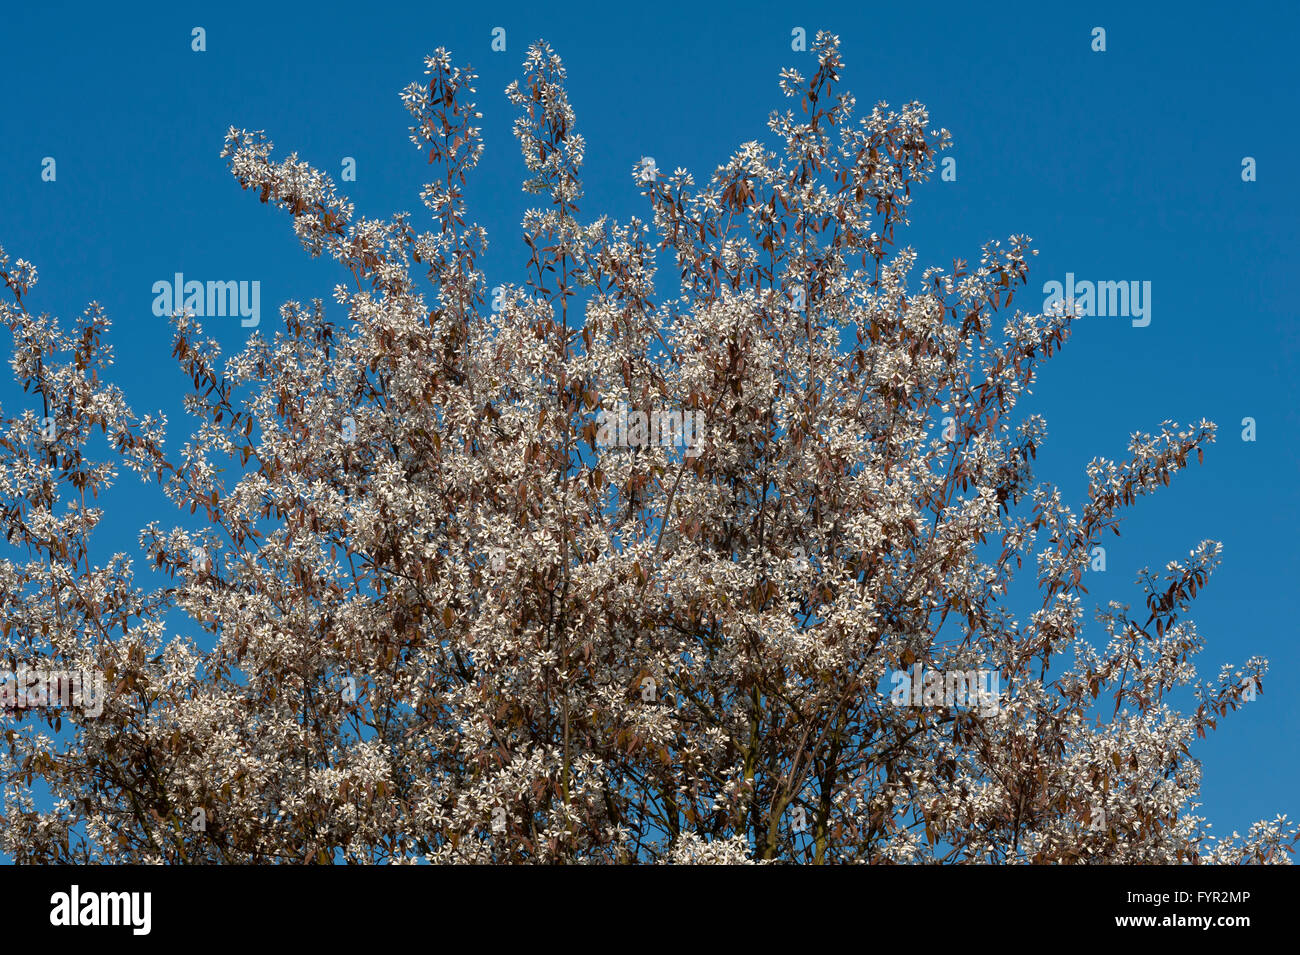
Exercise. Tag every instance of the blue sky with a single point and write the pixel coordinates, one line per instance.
(1122, 165)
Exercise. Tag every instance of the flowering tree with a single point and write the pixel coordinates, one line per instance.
(435, 607)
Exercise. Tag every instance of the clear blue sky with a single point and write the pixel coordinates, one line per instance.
(1122, 165)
